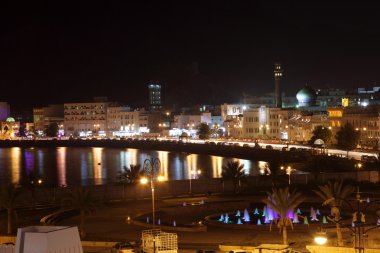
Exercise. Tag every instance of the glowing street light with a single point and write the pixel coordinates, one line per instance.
(288, 171)
(195, 173)
(152, 169)
(320, 238)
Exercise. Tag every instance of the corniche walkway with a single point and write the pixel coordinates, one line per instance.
(110, 224)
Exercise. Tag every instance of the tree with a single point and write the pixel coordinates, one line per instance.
(52, 130)
(8, 200)
(82, 200)
(282, 201)
(274, 169)
(234, 171)
(130, 175)
(332, 194)
(33, 181)
(322, 133)
(204, 131)
(22, 131)
(347, 138)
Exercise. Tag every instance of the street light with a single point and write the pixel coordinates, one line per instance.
(288, 171)
(358, 219)
(320, 238)
(194, 172)
(152, 169)
(358, 166)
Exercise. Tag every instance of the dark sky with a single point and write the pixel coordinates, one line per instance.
(200, 51)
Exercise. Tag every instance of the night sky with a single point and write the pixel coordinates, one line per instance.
(200, 51)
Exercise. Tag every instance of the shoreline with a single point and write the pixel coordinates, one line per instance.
(248, 153)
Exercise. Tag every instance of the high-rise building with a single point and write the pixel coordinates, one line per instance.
(154, 96)
(277, 84)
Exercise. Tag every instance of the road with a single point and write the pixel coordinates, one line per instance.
(352, 154)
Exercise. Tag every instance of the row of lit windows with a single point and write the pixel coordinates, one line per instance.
(84, 118)
(250, 130)
(83, 107)
(251, 119)
(83, 113)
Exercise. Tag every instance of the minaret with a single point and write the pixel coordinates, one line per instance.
(277, 84)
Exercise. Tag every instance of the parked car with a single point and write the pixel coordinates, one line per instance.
(124, 247)
(367, 158)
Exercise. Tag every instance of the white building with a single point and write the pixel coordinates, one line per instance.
(85, 119)
(121, 121)
(265, 123)
(191, 121)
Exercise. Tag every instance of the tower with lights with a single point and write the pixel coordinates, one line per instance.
(277, 84)
(154, 96)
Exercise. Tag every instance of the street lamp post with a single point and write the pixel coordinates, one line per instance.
(288, 171)
(152, 169)
(358, 167)
(193, 172)
(358, 219)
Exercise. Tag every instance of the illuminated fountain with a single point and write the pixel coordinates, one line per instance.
(305, 221)
(246, 216)
(313, 214)
(295, 218)
(254, 217)
(264, 211)
(226, 218)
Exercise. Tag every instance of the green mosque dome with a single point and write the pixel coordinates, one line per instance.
(306, 96)
(10, 119)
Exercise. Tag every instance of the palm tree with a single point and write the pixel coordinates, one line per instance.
(81, 199)
(8, 200)
(130, 175)
(282, 201)
(332, 194)
(33, 181)
(275, 170)
(235, 171)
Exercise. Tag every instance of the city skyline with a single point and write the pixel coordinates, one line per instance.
(200, 53)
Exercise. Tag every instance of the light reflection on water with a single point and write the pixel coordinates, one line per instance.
(84, 166)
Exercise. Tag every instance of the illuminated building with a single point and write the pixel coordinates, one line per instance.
(121, 121)
(191, 121)
(85, 119)
(306, 97)
(363, 119)
(277, 81)
(4, 111)
(265, 123)
(44, 116)
(9, 128)
(154, 96)
(232, 115)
